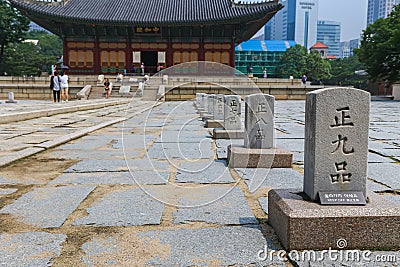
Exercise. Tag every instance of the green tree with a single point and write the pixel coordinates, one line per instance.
(26, 59)
(297, 61)
(380, 50)
(50, 44)
(293, 62)
(343, 72)
(13, 26)
(317, 67)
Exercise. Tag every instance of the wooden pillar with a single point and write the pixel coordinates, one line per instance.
(232, 55)
(128, 56)
(96, 60)
(65, 53)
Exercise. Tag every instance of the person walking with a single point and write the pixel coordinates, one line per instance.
(55, 85)
(304, 79)
(142, 67)
(64, 87)
(107, 87)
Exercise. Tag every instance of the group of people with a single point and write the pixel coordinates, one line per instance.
(59, 85)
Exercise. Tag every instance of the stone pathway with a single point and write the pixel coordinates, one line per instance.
(155, 190)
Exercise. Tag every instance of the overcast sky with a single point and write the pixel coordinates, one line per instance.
(352, 14)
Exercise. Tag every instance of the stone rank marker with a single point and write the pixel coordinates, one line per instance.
(336, 142)
(259, 121)
(335, 169)
(197, 102)
(208, 108)
(232, 120)
(218, 112)
(259, 150)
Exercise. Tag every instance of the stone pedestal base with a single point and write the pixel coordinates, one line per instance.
(227, 134)
(204, 114)
(200, 110)
(240, 157)
(305, 225)
(214, 123)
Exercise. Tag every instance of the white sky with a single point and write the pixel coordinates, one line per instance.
(352, 14)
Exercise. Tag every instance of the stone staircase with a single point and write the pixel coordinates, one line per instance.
(97, 92)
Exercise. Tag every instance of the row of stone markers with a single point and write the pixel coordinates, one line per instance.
(333, 209)
(223, 113)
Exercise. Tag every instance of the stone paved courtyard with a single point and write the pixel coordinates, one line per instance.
(155, 190)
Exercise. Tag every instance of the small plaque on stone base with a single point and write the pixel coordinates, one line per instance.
(351, 198)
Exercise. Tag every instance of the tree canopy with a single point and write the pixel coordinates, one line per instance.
(343, 72)
(380, 50)
(293, 62)
(50, 44)
(297, 61)
(26, 59)
(13, 26)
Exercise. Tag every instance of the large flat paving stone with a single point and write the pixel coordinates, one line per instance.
(182, 151)
(118, 165)
(97, 154)
(182, 137)
(117, 178)
(29, 249)
(215, 204)
(376, 187)
(132, 141)
(385, 173)
(375, 158)
(124, 208)
(204, 172)
(223, 246)
(291, 144)
(48, 207)
(279, 178)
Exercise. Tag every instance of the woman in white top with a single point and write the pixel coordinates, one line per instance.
(64, 87)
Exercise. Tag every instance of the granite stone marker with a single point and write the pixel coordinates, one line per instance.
(336, 142)
(232, 113)
(11, 98)
(219, 107)
(259, 121)
(198, 99)
(210, 105)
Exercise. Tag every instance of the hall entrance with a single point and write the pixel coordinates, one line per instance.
(150, 60)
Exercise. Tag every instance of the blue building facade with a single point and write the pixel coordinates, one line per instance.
(328, 32)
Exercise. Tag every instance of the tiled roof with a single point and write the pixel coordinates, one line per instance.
(265, 45)
(149, 12)
(319, 45)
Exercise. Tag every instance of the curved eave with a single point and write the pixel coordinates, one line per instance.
(52, 13)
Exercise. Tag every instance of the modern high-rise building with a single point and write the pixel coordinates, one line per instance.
(347, 47)
(379, 9)
(296, 21)
(328, 32)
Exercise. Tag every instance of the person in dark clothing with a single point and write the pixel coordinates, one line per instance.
(55, 85)
(107, 88)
